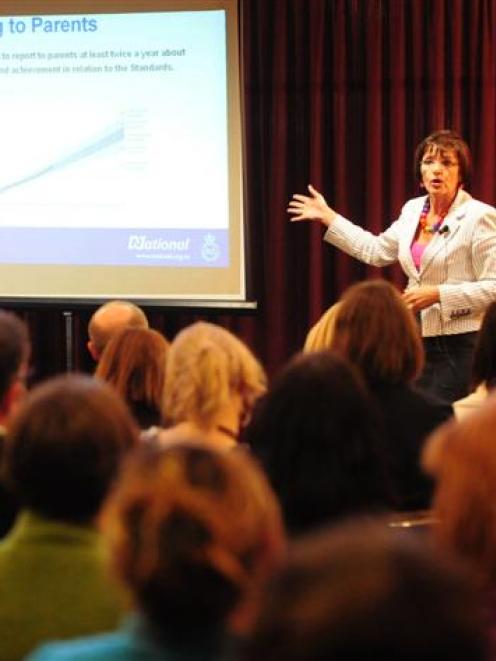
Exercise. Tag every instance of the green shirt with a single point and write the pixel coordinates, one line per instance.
(53, 585)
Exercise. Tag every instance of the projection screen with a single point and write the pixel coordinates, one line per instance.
(121, 167)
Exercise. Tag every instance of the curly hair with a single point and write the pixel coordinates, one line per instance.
(190, 528)
(206, 366)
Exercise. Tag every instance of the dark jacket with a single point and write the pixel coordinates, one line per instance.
(409, 415)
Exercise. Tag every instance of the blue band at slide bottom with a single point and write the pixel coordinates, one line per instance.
(131, 247)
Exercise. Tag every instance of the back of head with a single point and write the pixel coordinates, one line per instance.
(375, 330)
(65, 446)
(14, 349)
(206, 366)
(461, 457)
(134, 363)
(111, 318)
(192, 529)
(318, 438)
(320, 336)
(362, 593)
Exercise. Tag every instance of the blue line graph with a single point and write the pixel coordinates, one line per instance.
(111, 136)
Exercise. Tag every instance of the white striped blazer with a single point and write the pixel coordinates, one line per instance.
(461, 260)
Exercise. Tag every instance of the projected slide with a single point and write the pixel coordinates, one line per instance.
(114, 140)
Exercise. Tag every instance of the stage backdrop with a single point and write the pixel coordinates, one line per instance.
(337, 93)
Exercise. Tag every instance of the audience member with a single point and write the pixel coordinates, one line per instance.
(195, 532)
(461, 456)
(319, 337)
(484, 365)
(62, 452)
(318, 439)
(14, 358)
(377, 332)
(212, 381)
(363, 594)
(108, 320)
(133, 362)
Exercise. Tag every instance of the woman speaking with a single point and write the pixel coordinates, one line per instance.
(445, 242)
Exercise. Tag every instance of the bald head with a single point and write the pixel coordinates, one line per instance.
(108, 320)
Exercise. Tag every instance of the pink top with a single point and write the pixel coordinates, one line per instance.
(417, 252)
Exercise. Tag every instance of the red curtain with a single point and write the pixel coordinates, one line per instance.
(337, 93)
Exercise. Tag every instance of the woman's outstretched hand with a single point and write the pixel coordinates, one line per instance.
(313, 207)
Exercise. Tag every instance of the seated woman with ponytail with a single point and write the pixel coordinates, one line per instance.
(212, 381)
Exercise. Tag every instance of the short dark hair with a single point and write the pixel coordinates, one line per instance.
(365, 593)
(14, 348)
(484, 360)
(446, 140)
(65, 445)
(318, 438)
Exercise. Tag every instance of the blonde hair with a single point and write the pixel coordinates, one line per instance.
(206, 366)
(320, 336)
(462, 458)
(190, 528)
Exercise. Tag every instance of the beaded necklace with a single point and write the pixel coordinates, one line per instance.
(431, 229)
